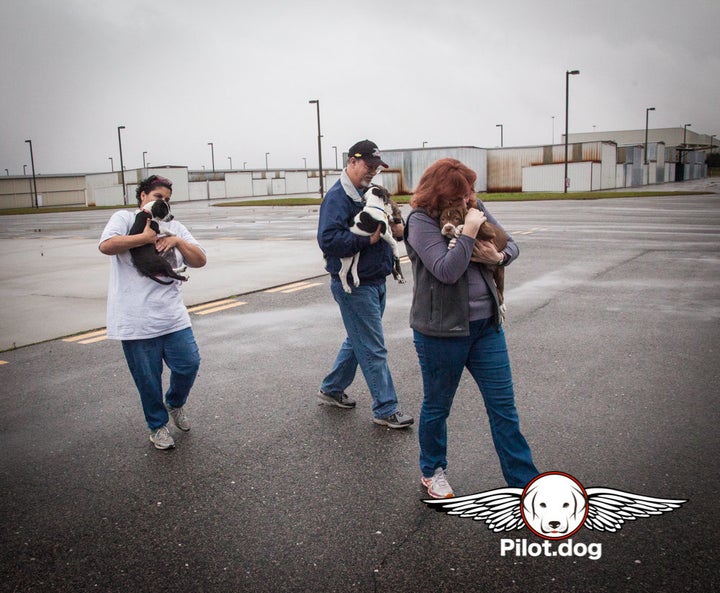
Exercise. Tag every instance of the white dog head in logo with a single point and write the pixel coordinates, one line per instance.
(554, 505)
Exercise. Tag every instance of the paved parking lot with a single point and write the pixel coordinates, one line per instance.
(614, 334)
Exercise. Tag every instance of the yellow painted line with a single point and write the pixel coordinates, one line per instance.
(289, 286)
(4, 362)
(93, 340)
(290, 290)
(101, 332)
(210, 305)
(222, 308)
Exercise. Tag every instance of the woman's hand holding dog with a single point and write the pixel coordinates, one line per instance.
(484, 252)
(473, 219)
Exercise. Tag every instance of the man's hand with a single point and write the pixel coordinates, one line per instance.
(397, 229)
(375, 237)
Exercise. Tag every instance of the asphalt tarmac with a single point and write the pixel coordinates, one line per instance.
(613, 334)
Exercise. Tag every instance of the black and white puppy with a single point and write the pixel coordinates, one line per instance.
(379, 210)
(146, 259)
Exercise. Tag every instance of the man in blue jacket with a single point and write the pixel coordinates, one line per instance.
(363, 308)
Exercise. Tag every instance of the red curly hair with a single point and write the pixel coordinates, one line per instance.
(444, 184)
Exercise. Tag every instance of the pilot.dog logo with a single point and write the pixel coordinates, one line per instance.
(554, 506)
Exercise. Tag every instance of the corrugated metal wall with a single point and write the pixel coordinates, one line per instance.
(410, 164)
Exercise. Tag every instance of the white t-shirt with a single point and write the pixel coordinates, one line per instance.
(138, 307)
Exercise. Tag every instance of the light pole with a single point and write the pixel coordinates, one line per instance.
(144, 163)
(122, 167)
(424, 143)
(553, 128)
(266, 160)
(212, 155)
(685, 127)
(304, 162)
(230, 159)
(7, 172)
(112, 165)
(317, 104)
(25, 166)
(647, 119)
(244, 163)
(335, 147)
(568, 73)
(501, 133)
(32, 165)
(711, 145)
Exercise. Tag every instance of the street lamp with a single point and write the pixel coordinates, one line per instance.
(711, 144)
(112, 165)
(553, 128)
(568, 73)
(335, 147)
(212, 155)
(32, 165)
(266, 160)
(25, 166)
(647, 118)
(501, 133)
(122, 167)
(424, 143)
(317, 104)
(304, 162)
(7, 172)
(230, 159)
(244, 163)
(685, 127)
(144, 163)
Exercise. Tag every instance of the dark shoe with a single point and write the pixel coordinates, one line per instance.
(336, 398)
(396, 420)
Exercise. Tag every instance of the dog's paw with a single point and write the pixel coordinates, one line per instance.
(503, 313)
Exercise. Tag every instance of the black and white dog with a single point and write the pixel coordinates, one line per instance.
(146, 259)
(379, 210)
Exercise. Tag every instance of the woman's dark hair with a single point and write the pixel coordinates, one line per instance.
(444, 184)
(149, 184)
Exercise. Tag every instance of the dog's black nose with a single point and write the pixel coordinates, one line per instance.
(554, 524)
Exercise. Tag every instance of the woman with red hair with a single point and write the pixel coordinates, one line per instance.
(456, 324)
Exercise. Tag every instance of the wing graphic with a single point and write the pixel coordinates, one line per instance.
(608, 509)
(500, 509)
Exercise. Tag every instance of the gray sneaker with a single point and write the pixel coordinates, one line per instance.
(437, 485)
(336, 398)
(179, 418)
(396, 420)
(161, 438)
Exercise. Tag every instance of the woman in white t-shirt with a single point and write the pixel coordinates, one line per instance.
(150, 318)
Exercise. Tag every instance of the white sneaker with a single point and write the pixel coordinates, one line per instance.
(438, 486)
(179, 418)
(161, 438)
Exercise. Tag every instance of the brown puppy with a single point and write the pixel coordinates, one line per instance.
(451, 222)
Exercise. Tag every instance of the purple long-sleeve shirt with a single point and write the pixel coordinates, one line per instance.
(448, 265)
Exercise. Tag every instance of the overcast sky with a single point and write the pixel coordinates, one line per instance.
(239, 73)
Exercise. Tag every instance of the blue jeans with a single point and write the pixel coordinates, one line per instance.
(484, 354)
(145, 361)
(362, 312)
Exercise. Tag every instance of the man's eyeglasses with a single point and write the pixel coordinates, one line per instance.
(374, 169)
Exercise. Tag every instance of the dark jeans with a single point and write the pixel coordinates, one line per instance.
(484, 354)
(145, 361)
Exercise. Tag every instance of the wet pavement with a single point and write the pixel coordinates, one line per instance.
(614, 336)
